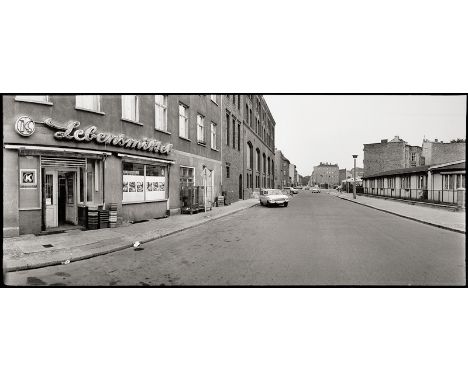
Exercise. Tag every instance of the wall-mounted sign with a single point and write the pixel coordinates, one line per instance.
(28, 178)
(25, 126)
(71, 132)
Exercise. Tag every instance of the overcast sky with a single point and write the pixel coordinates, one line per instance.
(312, 129)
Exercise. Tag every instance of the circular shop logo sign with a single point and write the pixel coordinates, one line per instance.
(25, 126)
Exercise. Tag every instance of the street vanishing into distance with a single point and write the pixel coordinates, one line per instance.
(317, 240)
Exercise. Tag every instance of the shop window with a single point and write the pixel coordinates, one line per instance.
(90, 184)
(89, 102)
(130, 107)
(187, 176)
(183, 121)
(82, 185)
(142, 183)
(160, 102)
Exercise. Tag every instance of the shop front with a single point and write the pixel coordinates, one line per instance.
(54, 180)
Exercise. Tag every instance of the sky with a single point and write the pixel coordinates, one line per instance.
(327, 128)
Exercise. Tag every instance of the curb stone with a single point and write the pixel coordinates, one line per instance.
(121, 247)
(407, 217)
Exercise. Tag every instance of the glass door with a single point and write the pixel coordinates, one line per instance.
(51, 198)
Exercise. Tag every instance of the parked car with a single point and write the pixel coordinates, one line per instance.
(315, 190)
(291, 190)
(270, 197)
(307, 188)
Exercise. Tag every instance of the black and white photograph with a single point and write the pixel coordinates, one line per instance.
(234, 191)
(372, 190)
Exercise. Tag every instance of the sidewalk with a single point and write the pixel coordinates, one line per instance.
(30, 251)
(441, 218)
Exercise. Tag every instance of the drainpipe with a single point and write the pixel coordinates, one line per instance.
(221, 141)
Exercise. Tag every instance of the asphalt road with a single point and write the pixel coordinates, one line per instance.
(318, 240)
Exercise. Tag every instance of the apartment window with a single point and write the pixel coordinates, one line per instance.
(228, 129)
(234, 99)
(228, 172)
(258, 160)
(33, 98)
(238, 102)
(130, 107)
(160, 103)
(89, 102)
(183, 121)
(250, 117)
(249, 155)
(213, 98)
(200, 129)
(238, 135)
(413, 157)
(213, 135)
(233, 133)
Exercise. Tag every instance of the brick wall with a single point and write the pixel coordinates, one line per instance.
(379, 157)
(438, 152)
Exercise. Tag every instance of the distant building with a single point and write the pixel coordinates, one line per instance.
(436, 152)
(391, 155)
(281, 170)
(326, 175)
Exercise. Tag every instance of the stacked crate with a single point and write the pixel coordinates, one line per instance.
(103, 219)
(93, 218)
(112, 215)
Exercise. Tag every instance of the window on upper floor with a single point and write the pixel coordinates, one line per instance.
(183, 121)
(160, 112)
(130, 107)
(33, 98)
(228, 129)
(89, 102)
(233, 133)
(201, 129)
(228, 172)
(213, 136)
(214, 98)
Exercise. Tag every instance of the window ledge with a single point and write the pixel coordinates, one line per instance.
(201, 143)
(163, 131)
(48, 103)
(145, 201)
(185, 139)
(89, 110)
(215, 149)
(214, 102)
(130, 121)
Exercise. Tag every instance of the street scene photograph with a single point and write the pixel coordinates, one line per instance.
(167, 190)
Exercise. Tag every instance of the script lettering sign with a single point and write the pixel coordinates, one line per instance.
(71, 132)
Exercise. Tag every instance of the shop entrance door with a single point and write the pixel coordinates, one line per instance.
(67, 207)
(51, 198)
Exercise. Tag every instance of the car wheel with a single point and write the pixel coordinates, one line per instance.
(285, 204)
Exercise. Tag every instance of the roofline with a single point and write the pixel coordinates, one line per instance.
(446, 164)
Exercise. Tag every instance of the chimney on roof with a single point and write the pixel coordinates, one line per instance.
(384, 141)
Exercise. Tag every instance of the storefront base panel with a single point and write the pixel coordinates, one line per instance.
(174, 211)
(143, 211)
(30, 222)
(10, 231)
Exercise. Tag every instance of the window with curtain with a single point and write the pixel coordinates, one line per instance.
(89, 102)
(183, 121)
(160, 120)
(213, 135)
(130, 107)
(200, 129)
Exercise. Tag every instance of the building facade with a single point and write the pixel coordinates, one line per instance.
(65, 154)
(441, 183)
(436, 152)
(282, 170)
(326, 175)
(258, 137)
(391, 155)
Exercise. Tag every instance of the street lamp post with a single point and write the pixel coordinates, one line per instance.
(354, 177)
